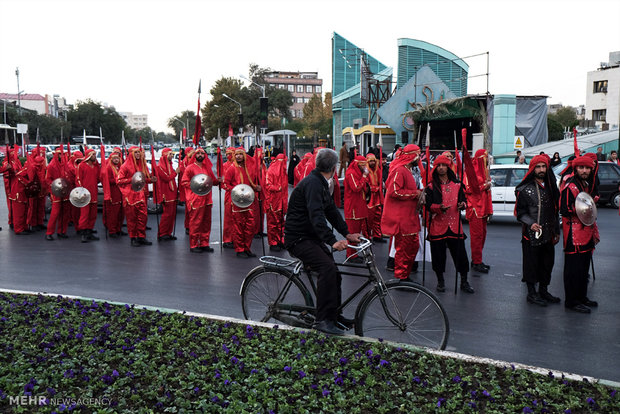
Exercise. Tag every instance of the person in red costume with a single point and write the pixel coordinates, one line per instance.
(227, 232)
(166, 195)
(189, 158)
(356, 187)
(259, 207)
(276, 191)
(36, 201)
(479, 209)
(61, 208)
(19, 201)
(243, 171)
(444, 199)
(399, 217)
(579, 239)
(10, 166)
(375, 204)
(302, 169)
(199, 206)
(112, 197)
(134, 202)
(71, 170)
(88, 177)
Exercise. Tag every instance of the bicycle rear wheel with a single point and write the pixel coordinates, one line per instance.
(270, 295)
(408, 313)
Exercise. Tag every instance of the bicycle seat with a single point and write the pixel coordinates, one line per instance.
(279, 262)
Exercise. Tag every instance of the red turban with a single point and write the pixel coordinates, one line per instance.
(584, 161)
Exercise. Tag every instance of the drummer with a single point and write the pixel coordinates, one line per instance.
(198, 200)
(243, 171)
(135, 190)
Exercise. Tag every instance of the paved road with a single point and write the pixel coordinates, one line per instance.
(495, 322)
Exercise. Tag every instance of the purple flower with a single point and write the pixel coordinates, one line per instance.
(591, 401)
(314, 386)
(343, 361)
(440, 401)
(287, 369)
(456, 379)
(301, 374)
(325, 391)
(383, 362)
(225, 348)
(234, 360)
(302, 341)
(486, 393)
(527, 410)
(613, 393)
(369, 352)
(472, 404)
(416, 379)
(196, 390)
(115, 373)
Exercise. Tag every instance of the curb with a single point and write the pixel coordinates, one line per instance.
(445, 354)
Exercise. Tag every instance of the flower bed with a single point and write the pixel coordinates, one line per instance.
(71, 355)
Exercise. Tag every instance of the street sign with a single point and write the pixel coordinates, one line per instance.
(519, 140)
(22, 128)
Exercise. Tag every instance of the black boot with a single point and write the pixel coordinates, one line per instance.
(91, 236)
(441, 283)
(84, 237)
(533, 296)
(545, 295)
(465, 286)
(390, 264)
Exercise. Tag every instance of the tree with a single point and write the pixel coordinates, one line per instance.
(89, 116)
(565, 116)
(554, 128)
(317, 118)
(51, 129)
(186, 119)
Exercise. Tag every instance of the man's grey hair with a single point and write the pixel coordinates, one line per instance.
(326, 160)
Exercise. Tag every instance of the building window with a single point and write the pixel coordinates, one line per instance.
(272, 85)
(308, 88)
(300, 114)
(317, 89)
(600, 86)
(300, 100)
(599, 115)
(281, 86)
(291, 88)
(306, 100)
(300, 88)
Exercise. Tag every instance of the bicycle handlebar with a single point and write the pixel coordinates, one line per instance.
(364, 244)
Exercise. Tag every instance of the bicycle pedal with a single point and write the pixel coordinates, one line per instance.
(344, 327)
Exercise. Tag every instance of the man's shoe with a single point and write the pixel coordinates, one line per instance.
(186, 231)
(195, 250)
(84, 238)
(92, 237)
(548, 297)
(536, 299)
(275, 248)
(207, 249)
(478, 267)
(144, 241)
(172, 238)
(466, 287)
(49, 237)
(24, 233)
(114, 235)
(228, 245)
(483, 264)
(242, 254)
(123, 233)
(328, 327)
(379, 240)
(441, 287)
(345, 322)
(579, 308)
(390, 264)
(135, 242)
(93, 231)
(590, 303)
(249, 253)
(148, 228)
(63, 236)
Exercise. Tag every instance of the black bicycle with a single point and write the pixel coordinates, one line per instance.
(398, 311)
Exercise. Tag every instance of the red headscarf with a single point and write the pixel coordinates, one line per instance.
(405, 156)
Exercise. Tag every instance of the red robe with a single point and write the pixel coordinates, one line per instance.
(276, 202)
(88, 177)
(166, 195)
(134, 202)
(198, 207)
(112, 200)
(10, 166)
(355, 207)
(228, 219)
(19, 201)
(375, 204)
(61, 208)
(244, 220)
(479, 206)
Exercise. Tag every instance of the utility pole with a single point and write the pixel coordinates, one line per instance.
(19, 94)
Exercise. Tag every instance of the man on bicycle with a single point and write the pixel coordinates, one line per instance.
(306, 235)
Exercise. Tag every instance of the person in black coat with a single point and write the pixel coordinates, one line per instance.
(291, 167)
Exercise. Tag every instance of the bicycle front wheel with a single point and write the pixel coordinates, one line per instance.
(270, 295)
(405, 313)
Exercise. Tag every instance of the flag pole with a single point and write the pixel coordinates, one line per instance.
(424, 209)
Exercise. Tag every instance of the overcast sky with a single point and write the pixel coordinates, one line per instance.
(148, 56)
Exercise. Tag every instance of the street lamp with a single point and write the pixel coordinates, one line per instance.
(240, 112)
(250, 80)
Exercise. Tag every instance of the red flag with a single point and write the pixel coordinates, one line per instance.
(470, 172)
(230, 130)
(198, 127)
(575, 142)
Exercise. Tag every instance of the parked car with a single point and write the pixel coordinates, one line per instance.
(609, 180)
(504, 179)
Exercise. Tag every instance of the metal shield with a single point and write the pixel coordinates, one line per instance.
(59, 187)
(138, 181)
(201, 184)
(330, 185)
(242, 195)
(585, 207)
(79, 197)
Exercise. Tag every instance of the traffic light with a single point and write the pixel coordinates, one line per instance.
(264, 108)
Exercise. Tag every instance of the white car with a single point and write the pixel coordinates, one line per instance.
(504, 179)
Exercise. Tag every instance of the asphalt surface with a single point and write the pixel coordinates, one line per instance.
(495, 322)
